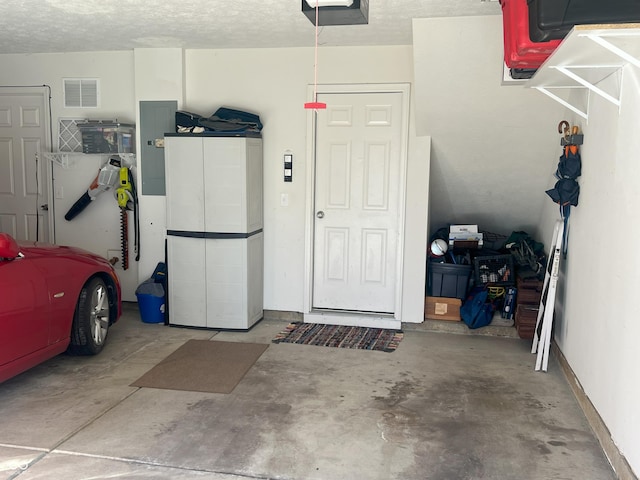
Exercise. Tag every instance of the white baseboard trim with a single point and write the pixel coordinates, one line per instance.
(618, 461)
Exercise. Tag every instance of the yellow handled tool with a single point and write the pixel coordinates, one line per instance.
(124, 193)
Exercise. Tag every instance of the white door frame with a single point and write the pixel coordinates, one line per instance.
(47, 167)
(362, 319)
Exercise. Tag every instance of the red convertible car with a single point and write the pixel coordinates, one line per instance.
(52, 299)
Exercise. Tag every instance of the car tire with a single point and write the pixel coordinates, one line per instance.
(91, 319)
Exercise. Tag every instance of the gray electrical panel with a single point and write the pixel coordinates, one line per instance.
(156, 118)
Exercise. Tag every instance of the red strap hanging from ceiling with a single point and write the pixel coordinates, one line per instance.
(315, 105)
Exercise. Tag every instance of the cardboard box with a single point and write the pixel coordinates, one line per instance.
(461, 236)
(442, 308)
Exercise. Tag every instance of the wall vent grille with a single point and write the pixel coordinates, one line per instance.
(81, 92)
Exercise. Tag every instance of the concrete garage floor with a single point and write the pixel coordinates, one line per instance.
(441, 407)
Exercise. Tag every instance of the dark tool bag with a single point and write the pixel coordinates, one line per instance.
(476, 311)
(239, 116)
(231, 121)
(187, 122)
(224, 120)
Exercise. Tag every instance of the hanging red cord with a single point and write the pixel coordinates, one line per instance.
(315, 105)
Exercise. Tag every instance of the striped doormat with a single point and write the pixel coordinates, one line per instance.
(362, 338)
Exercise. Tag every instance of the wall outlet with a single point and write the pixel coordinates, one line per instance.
(114, 258)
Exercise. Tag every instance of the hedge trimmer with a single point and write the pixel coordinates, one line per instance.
(114, 175)
(127, 200)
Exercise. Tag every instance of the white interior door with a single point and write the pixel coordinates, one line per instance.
(24, 173)
(359, 190)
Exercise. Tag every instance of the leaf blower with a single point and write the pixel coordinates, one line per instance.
(106, 179)
(114, 175)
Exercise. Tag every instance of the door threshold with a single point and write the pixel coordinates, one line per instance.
(352, 319)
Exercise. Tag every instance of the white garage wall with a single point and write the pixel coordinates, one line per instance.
(482, 132)
(270, 82)
(599, 328)
(274, 83)
(98, 227)
(492, 144)
(494, 151)
(159, 75)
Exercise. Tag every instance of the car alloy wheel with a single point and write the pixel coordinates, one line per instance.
(91, 320)
(99, 314)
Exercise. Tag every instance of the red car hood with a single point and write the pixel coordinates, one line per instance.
(32, 249)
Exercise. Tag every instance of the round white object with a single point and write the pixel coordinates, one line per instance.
(439, 247)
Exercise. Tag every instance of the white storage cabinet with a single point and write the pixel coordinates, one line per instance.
(215, 253)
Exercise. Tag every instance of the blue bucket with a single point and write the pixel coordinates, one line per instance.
(151, 308)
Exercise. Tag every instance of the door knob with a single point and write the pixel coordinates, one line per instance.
(320, 214)
(44, 207)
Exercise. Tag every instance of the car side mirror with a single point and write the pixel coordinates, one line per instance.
(8, 247)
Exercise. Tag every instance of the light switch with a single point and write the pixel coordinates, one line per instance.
(288, 167)
(284, 199)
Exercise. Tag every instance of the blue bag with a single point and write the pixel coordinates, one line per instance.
(228, 120)
(476, 312)
(239, 116)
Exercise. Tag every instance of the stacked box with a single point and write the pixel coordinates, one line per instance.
(519, 51)
(442, 308)
(529, 291)
(529, 294)
(526, 318)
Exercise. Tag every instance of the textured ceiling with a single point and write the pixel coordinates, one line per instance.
(38, 26)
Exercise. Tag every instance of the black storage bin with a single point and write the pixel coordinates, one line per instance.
(496, 270)
(448, 280)
(554, 19)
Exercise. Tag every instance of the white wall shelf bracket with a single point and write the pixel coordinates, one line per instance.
(625, 56)
(591, 57)
(67, 160)
(573, 108)
(62, 159)
(603, 71)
